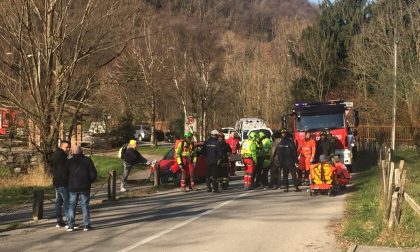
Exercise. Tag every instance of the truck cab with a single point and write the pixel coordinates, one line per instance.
(334, 117)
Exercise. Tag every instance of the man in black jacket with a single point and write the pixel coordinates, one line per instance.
(213, 153)
(60, 182)
(81, 173)
(131, 157)
(325, 146)
(287, 159)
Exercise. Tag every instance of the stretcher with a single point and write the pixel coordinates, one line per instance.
(323, 179)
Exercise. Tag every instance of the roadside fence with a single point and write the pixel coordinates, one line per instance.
(393, 184)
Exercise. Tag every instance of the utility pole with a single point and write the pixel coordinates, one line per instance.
(394, 104)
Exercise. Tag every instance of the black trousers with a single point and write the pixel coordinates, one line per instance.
(257, 176)
(275, 171)
(211, 177)
(292, 171)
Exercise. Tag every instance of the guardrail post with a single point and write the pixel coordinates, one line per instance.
(112, 185)
(38, 205)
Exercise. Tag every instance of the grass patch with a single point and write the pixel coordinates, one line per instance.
(364, 218)
(159, 150)
(14, 196)
(364, 222)
(105, 164)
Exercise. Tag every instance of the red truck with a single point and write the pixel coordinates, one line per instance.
(333, 116)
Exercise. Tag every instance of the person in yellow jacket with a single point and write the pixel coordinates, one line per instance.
(249, 158)
(186, 158)
(266, 151)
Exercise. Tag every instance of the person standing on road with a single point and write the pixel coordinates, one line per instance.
(266, 148)
(223, 170)
(274, 163)
(249, 158)
(81, 173)
(306, 156)
(325, 146)
(131, 157)
(235, 147)
(60, 182)
(213, 153)
(287, 158)
(186, 158)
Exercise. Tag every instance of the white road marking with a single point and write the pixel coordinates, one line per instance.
(151, 238)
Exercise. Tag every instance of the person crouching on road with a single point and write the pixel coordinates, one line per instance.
(306, 157)
(223, 170)
(81, 173)
(131, 157)
(186, 158)
(249, 158)
(60, 182)
(343, 174)
(213, 153)
(287, 158)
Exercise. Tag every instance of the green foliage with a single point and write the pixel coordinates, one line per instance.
(323, 49)
(125, 128)
(177, 126)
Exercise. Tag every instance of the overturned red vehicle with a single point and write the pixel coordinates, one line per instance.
(170, 171)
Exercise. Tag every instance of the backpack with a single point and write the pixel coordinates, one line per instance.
(121, 151)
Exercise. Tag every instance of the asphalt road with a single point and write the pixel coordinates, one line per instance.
(233, 220)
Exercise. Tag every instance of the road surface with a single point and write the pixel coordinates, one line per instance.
(233, 220)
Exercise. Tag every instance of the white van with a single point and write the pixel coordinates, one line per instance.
(244, 125)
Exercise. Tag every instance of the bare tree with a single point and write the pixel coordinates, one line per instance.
(59, 47)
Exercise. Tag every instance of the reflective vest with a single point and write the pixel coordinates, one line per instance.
(308, 149)
(185, 150)
(266, 146)
(249, 150)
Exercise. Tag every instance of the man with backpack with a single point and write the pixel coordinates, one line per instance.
(131, 157)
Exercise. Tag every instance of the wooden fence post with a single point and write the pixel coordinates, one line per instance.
(112, 185)
(38, 205)
(390, 191)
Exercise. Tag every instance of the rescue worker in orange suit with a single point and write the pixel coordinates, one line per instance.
(287, 158)
(235, 147)
(306, 154)
(325, 146)
(213, 152)
(223, 175)
(275, 170)
(186, 158)
(249, 158)
(343, 175)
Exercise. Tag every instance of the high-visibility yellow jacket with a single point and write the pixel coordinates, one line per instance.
(249, 150)
(185, 149)
(266, 146)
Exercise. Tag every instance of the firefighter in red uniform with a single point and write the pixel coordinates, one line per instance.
(235, 147)
(306, 154)
(186, 158)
